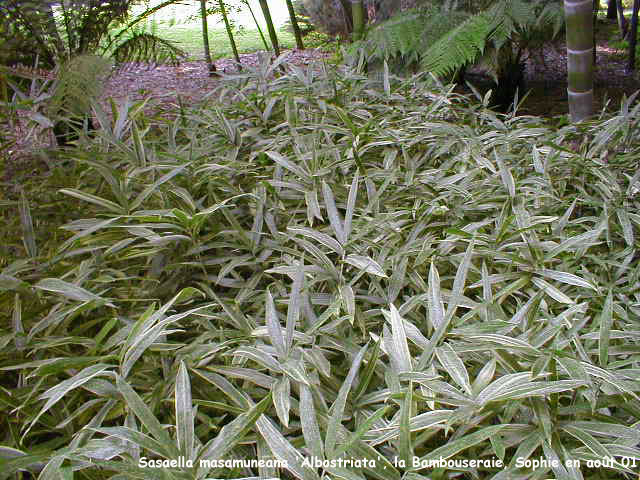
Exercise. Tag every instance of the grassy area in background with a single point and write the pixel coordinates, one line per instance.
(188, 36)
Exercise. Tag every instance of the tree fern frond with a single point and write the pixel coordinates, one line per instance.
(551, 16)
(509, 17)
(133, 23)
(78, 82)
(146, 47)
(397, 36)
(444, 40)
(406, 34)
(458, 47)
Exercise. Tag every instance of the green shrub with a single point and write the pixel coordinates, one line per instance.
(327, 269)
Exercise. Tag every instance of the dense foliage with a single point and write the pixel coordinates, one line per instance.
(43, 33)
(443, 39)
(309, 266)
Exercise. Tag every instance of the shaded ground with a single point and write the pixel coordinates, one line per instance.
(547, 79)
(190, 79)
(548, 82)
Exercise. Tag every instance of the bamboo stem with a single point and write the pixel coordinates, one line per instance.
(270, 28)
(205, 38)
(294, 24)
(357, 10)
(633, 37)
(579, 20)
(227, 26)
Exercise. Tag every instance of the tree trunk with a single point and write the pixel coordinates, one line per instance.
(72, 40)
(633, 37)
(205, 38)
(52, 29)
(612, 10)
(579, 20)
(296, 27)
(596, 9)
(348, 15)
(232, 40)
(270, 28)
(357, 10)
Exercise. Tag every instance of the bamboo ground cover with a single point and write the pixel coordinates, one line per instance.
(312, 268)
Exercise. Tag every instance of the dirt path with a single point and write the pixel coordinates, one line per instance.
(190, 79)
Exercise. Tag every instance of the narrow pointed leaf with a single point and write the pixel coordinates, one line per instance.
(337, 409)
(400, 345)
(309, 422)
(365, 263)
(606, 318)
(184, 412)
(454, 366)
(332, 212)
(273, 326)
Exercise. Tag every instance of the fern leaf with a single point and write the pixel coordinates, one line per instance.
(407, 34)
(458, 47)
(78, 83)
(146, 47)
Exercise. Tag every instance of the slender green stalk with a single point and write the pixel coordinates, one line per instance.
(622, 21)
(71, 34)
(357, 11)
(270, 28)
(255, 20)
(205, 38)
(294, 24)
(227, 25)
(579, 20)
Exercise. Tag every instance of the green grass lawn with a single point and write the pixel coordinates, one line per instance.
(181, 24)
(189, 37)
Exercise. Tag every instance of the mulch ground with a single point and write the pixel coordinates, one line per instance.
(190, 79)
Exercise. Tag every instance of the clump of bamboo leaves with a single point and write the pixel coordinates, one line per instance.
(309, 266)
